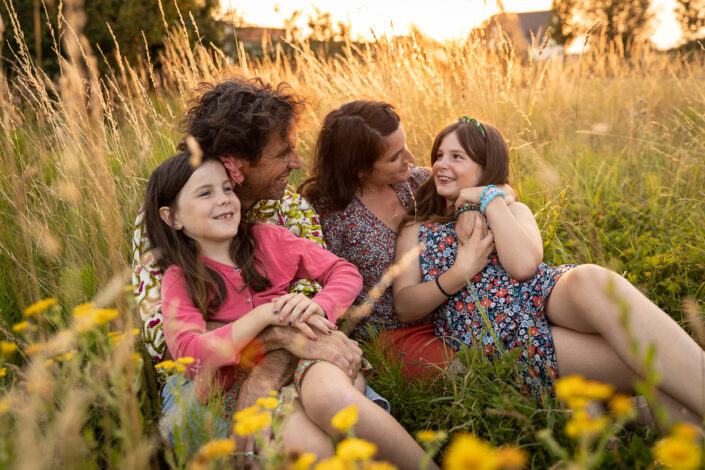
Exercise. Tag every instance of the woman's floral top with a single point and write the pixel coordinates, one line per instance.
(358, 236)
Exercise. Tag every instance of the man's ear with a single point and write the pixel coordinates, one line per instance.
(165, 215)
(246, 164)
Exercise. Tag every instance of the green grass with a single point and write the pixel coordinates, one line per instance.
(608, 152)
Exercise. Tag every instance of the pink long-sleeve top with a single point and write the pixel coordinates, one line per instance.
(285, 258)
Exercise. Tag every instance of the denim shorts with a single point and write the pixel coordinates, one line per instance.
(183, 418)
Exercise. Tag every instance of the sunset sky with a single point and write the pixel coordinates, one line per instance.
(441, 19)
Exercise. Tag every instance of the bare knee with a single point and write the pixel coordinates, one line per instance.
(588, 281)
(324, 393)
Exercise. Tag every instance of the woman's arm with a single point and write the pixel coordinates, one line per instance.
(414, 299)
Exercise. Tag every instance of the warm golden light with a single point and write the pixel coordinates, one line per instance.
(443, 19)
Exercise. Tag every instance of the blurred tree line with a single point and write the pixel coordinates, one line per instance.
(620, 20)
(137, 26)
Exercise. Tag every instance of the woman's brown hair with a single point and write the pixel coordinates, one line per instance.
(488, 150)
(350, 142)
(172, 247)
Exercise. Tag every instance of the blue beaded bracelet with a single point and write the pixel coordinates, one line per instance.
(489, 197)
(484, 191)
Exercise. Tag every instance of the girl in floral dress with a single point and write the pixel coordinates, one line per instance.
(221, 268)
(492, 291)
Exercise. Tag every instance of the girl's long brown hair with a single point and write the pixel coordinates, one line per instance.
(489, 151)
(205, 286)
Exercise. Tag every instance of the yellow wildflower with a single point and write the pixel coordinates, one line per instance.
(185, 360)
(136, 356)
(20, 327)
(304, 462)
(83, 310)
(334, 463)
(345, 418)
(621, 405)
(269, 402)
(511, 457)
(7, 348)
(678, 453)
(253, 423)
(217, 448)
(117, 339)
(68, 356)
(39, 307)
(104, 315)
(246, 412)
(166, 365)
(378, 466)
(48, 362)
(431, 436)
(33, 349)
(576, 391)
(3, 372)
(684, 431)
(467, 452)
(4, 405)
(135, 331)
(180, 368)
(272, 393)
(582, 424)
(355, 449)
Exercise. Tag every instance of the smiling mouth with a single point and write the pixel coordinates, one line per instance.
(445, 179)
(226, 216)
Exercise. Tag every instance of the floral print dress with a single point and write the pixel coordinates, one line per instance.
(513, 309)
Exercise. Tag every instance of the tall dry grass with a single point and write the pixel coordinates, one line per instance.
(606, 148)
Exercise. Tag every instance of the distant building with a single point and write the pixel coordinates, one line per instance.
(251, 37)
(527, 30)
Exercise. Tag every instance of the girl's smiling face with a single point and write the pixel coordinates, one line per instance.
(206, 209)
(453, 169)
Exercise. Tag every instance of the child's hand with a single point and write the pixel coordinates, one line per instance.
(297, 310)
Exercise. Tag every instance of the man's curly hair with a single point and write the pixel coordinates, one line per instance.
(236, 117)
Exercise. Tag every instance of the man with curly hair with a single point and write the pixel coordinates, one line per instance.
(251, 126)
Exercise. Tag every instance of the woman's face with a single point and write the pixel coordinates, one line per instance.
(392, 166)
(453, 169)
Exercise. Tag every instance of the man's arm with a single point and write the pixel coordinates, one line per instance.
(276, 352)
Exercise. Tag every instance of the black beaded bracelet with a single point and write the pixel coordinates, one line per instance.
(441, 289)
(467, 206)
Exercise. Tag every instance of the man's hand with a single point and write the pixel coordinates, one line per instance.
(335, 348)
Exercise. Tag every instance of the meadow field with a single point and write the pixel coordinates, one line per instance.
(608, 150)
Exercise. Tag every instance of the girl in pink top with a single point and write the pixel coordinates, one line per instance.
(221, 268)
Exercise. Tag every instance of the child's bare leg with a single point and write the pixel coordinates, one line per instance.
(591, 356)
(301, 435)
(326, 389)
(580, 301)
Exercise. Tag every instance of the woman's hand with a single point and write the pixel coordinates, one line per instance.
(297, 310)
(473, 255)
(465, 225)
